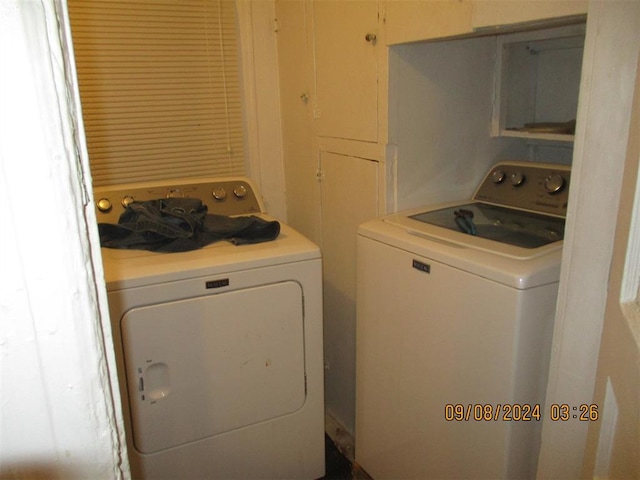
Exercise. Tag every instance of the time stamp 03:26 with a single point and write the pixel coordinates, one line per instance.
(515, 412)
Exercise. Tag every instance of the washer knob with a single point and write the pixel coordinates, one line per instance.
(517, 179)
(104, 205)
(497, 176)
(219, 193)
(240, 191)
(126, 201)
(554, 183)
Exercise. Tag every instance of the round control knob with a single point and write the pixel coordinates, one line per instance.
(517, 179)
(554, 183)
(126, 201)
(104, 205)
(219, 193)
(240, 191)
(497, 176)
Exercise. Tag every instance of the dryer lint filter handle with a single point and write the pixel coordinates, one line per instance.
(153, 382)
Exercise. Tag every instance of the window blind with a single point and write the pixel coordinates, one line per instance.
(160, 88)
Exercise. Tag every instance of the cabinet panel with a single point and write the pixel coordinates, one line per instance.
(296, 79)
(488, 13)
(414, 20)
(349, 197)
(346, 72)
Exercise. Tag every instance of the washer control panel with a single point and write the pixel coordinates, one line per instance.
(223, 196)
(534, 187)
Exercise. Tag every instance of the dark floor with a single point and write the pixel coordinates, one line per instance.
(337, 466)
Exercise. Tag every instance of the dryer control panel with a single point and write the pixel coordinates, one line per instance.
(532, 187)
(222, 196)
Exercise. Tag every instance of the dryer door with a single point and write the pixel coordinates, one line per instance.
(207, 365)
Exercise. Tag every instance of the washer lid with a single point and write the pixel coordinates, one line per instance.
(441, 226)
(500, 224)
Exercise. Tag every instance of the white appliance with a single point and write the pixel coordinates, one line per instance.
(219, 350)
(455, 310)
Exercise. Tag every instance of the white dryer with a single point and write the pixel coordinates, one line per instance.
(219, 349)
(455, 310)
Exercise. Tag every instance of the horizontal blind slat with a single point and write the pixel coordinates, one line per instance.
(160, 88)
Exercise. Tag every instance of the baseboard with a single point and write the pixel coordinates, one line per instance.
(344, 442)
(340, 436)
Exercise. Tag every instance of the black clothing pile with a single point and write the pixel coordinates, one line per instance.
(180, 225)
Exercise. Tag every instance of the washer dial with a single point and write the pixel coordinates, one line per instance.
(240, 191)
(554, 183)
(104, 205)
(517, 179)
(219, 193)
(498, 176)
(126, 201)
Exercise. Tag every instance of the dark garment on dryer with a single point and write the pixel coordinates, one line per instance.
(180, 225)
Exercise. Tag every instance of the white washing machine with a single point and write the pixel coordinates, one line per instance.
(455, 311)
(219, 349)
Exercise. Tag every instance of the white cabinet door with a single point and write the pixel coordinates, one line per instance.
(349, 190)
(346, 71)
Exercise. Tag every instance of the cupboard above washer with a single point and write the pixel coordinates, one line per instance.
(537, 83)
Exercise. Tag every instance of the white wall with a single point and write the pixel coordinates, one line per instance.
(608, 80)
(262, 102)
(58, 417)
(441, 104)
(613, 441)
(441, 107)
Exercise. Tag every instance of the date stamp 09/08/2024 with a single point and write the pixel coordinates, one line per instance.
(514, 412)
